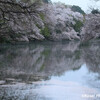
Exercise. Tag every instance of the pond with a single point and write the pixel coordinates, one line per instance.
(50, 71)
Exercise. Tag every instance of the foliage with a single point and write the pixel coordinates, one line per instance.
(45, 31)
(2, 22)
(4, 40)
(58, 31)
(42, 16)
(38, 26)
(77, 26)
(46, 1)
(95, 11)
(77, 9)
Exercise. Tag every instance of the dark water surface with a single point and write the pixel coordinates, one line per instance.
(50, 71)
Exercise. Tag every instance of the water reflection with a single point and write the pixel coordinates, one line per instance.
(49, 71)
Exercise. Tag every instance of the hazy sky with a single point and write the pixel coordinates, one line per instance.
(84, 4)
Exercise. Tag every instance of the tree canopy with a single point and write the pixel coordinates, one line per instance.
(95, 11)
(77, 9)
(46, 1)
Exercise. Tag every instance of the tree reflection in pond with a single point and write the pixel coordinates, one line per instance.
(27, 71)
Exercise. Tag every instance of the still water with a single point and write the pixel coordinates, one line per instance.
(50, 71)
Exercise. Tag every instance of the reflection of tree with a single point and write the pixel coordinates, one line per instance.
(91, 57)
(36, 62)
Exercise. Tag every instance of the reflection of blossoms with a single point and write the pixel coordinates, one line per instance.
(40, 61)
(23, 65)
(91, 56)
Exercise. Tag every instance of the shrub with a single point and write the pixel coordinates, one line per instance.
(42, 16)
(78, 25)
(58, 31)
(45, 31)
